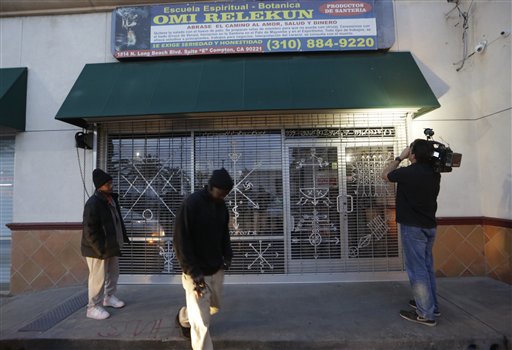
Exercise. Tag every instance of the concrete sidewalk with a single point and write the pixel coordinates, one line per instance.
(476, 314)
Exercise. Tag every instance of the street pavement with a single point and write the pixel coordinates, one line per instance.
(476, 314)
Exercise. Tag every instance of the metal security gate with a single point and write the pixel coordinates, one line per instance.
(151, 174)
(316, 228)
(306, 201)
(372, 233)
(253, 158)
(340, 212)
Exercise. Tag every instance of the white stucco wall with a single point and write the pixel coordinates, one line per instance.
(493, 137)
(492, 89)
(48, 185)
(475, 114)
(474, 118)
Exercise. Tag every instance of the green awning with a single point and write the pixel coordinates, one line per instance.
(13, 98)
(249, 84)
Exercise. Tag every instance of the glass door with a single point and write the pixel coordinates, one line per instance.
(340, 213)
(315, 226)
(371, 232)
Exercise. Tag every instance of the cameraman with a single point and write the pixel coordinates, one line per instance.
(416, 205)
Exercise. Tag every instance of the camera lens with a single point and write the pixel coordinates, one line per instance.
(428, 132)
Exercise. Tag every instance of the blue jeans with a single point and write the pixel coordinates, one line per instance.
(417, 243)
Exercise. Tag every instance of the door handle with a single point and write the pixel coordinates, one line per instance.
(338, 203)
(351, 204)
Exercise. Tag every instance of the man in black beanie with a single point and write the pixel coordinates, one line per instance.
(203, 249)
(102, 238)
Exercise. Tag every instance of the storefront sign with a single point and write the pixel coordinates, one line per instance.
(240, 27)
(341, 132)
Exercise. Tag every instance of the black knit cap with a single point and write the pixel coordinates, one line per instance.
(99, 177)
(221, 179)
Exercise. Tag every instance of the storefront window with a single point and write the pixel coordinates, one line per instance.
(256, 202)
(314, 192)
(152, 176)
(372, 230)
(6, 198)
(305, 200)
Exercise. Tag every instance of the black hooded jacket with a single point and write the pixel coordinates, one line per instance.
(99, 239)
(201, 234)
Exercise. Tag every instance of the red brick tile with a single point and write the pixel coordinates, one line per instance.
(476, 238)
(18, 257)
(467, 254)
(80, 270)
(18, 284)
(56, 242)
(55, 271)
(478, 268)
(68, 256)
(41, 282)
(68, 280)
(451, 239)
(29, 245)
(30, 270)
(493, 255)
(452, 268)
(43, 257)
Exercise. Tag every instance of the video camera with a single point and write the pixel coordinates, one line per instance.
(443, 158)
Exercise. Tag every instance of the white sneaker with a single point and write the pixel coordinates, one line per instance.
(97, 313)
(112, 301)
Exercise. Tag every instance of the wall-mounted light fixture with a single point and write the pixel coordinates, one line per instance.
(84, 140)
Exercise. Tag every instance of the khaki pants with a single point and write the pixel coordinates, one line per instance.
(103, 276)
(198, 311)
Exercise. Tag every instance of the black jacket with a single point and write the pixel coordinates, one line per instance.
(416, 194)
(99, 239)
(201, 234)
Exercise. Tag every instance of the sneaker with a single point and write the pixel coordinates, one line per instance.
(412, 303)
(112, 301)
(414, 317)
(97, 313)
(185, 331)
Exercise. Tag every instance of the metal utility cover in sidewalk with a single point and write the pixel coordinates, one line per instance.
(57, 314)
(244, 85)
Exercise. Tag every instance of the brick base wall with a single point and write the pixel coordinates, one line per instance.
(43, 259)
(474, 250)
(48, 255)
(498, 253)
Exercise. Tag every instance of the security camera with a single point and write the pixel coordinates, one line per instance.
(480, 47)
